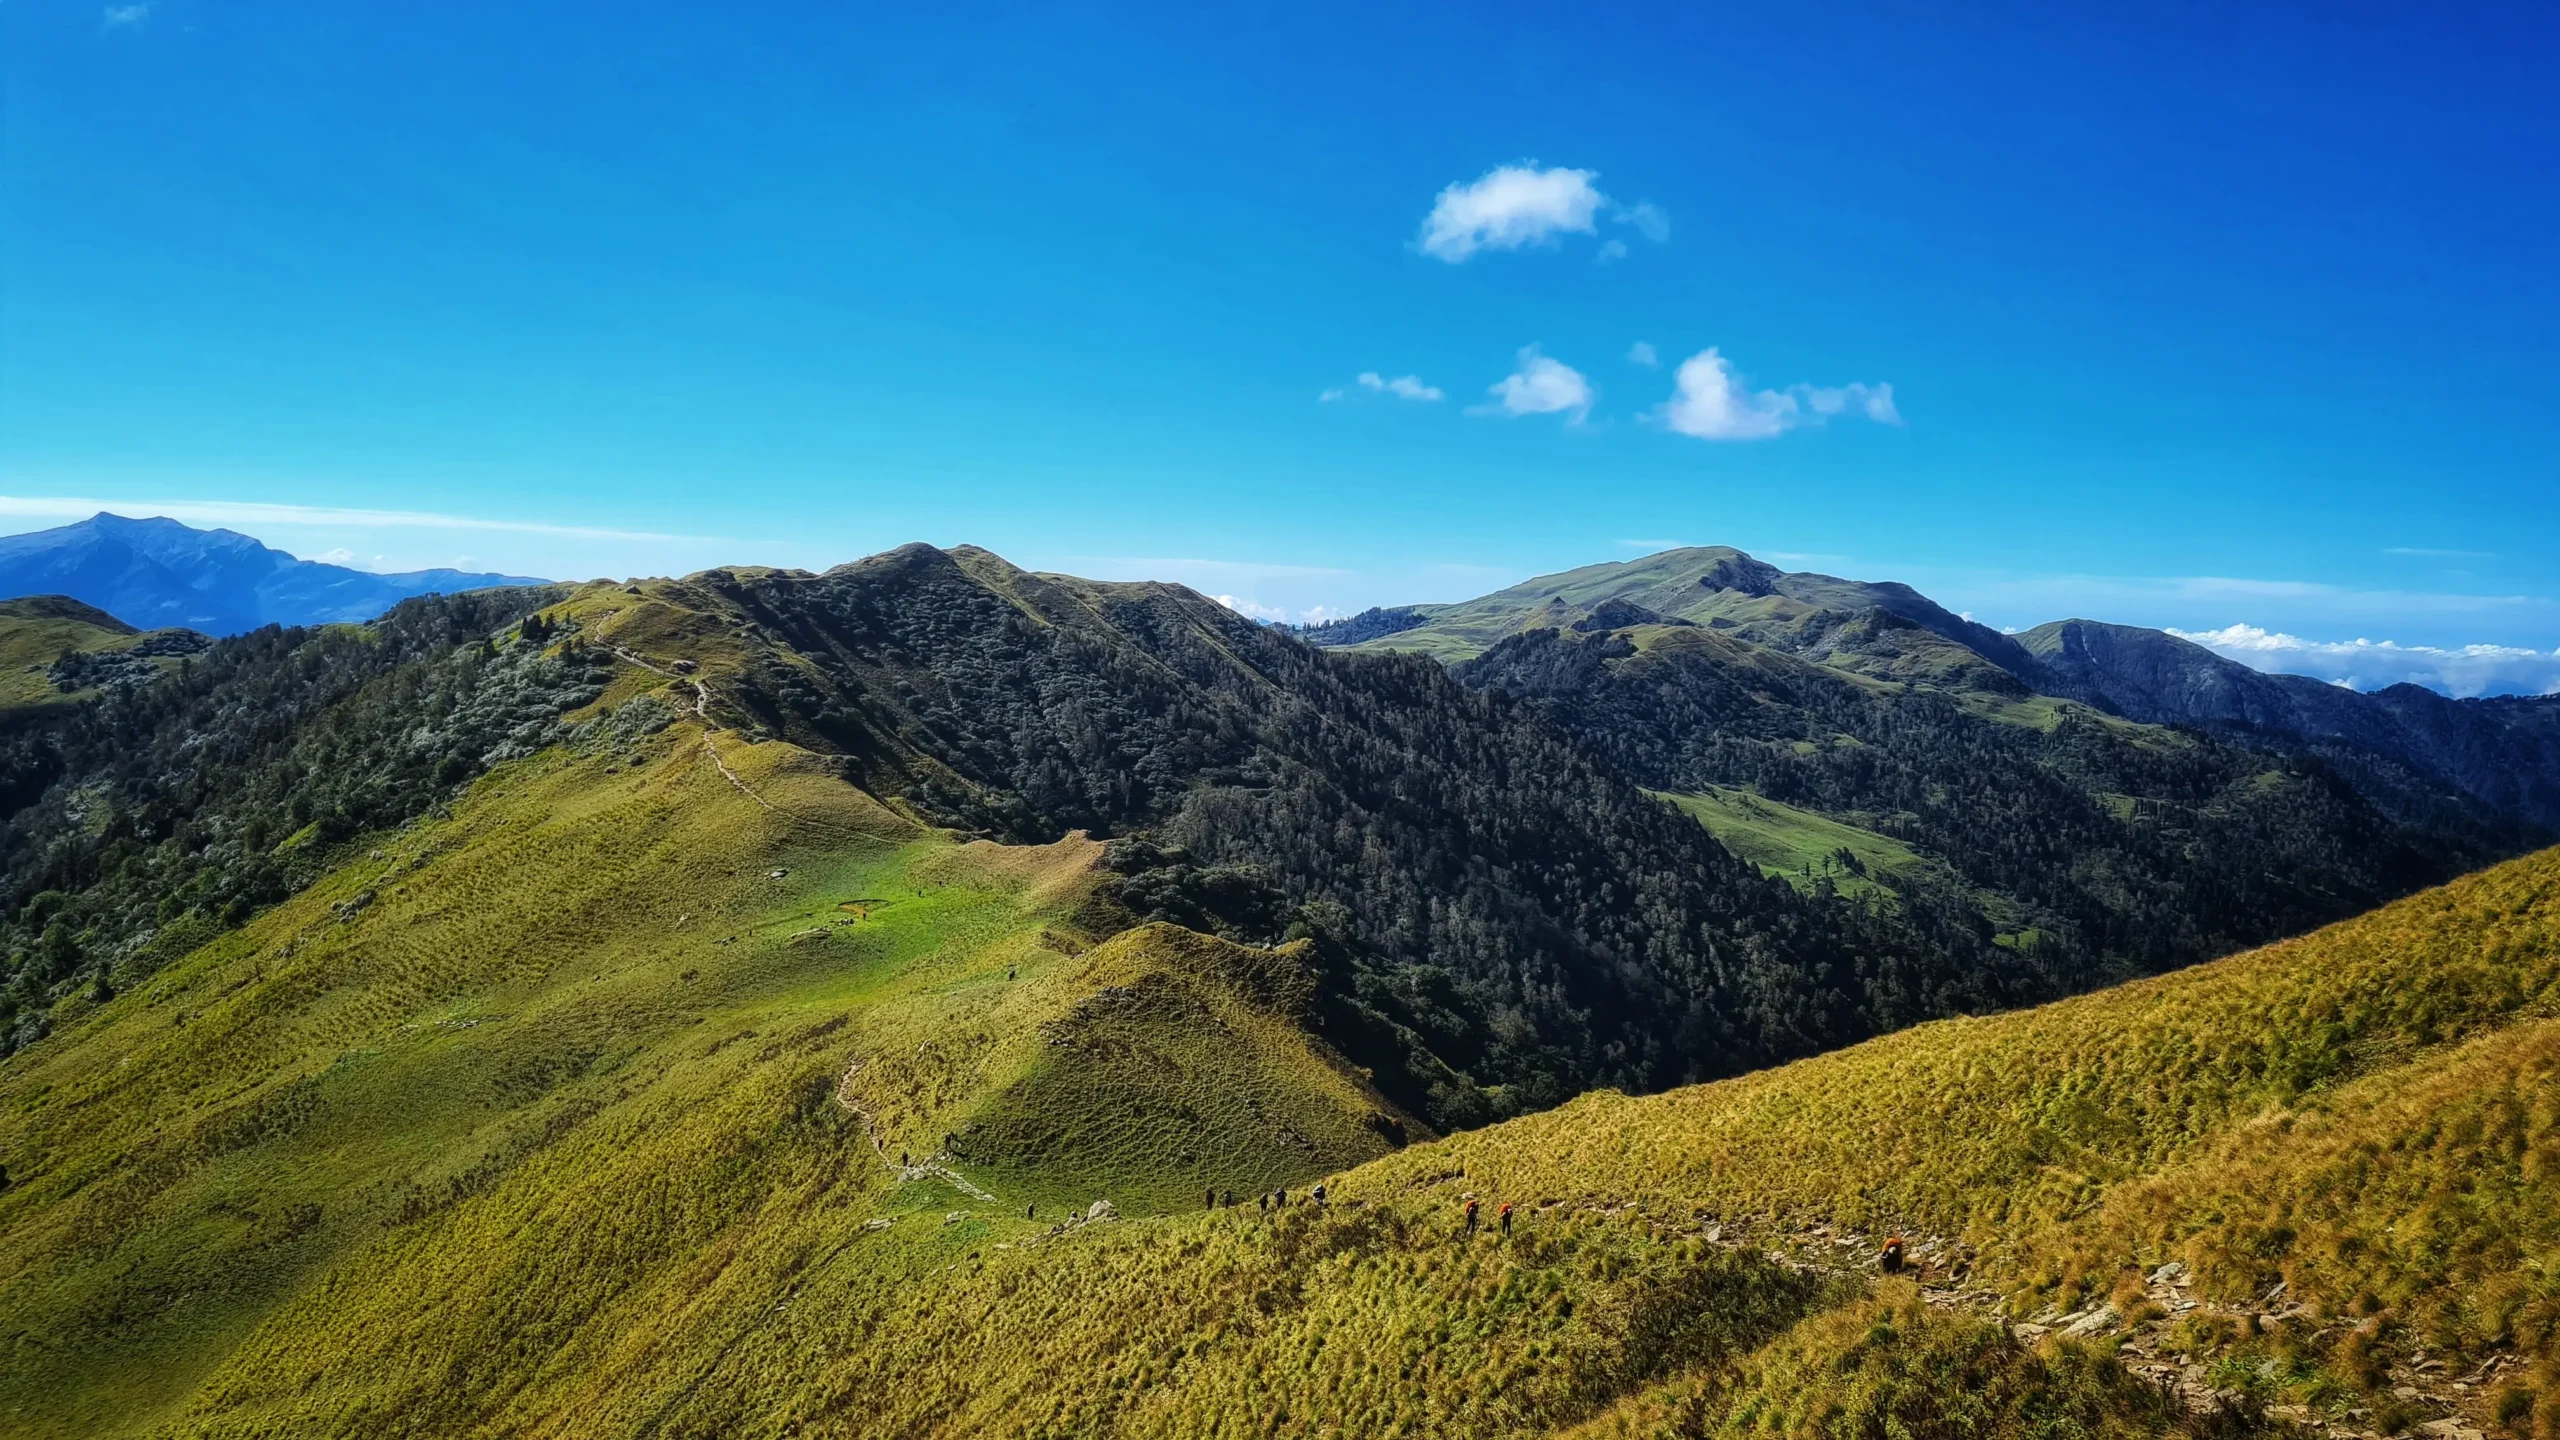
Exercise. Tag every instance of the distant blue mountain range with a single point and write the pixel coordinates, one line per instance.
(157, 572)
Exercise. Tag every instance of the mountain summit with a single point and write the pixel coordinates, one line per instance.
(157, 572)
(2413, 751)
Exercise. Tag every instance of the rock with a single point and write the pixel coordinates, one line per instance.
(882, 1224)
(1102, 1210)
(2169, 1274)
(2094, 1322)
(2450, 1429)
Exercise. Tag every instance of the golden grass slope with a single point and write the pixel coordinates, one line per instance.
(550, 1088)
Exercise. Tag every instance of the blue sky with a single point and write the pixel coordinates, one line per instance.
(2144, 312)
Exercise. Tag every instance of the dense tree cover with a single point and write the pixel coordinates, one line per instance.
(168, 808)
(1369, 624)
(1497, 892)
(2123, 850)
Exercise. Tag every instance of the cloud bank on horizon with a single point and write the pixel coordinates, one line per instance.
(2361, 664)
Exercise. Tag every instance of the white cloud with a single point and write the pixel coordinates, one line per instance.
(1709, 401)
(340, 556)
(1403, 387)
(2440, 554)
(1541, 386)
(125, 17)
(1610, 252)
(1643, 354)
(2371, 664)
(1511, 206)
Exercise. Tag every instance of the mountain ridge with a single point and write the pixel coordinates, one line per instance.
(2406, 746)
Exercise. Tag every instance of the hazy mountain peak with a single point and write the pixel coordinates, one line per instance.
(155, 572)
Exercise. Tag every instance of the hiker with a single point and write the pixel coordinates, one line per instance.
(1026, 1212)
(1230, 1198)
(1008, 972)
(1471, 1215)
(1506, 1217)
(1319, 1192)
(902, 1159)
(1891, 1260)
(1209, 1200)
(1263, 1202)
(1280, 1198)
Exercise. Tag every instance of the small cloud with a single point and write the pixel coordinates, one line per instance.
(1648, 220)
(1268, 614)
(1403, 387)
(1511, 206)
(1643, 354)
(1541, 386)
(1709, 402)
(126, 17)
(1610, 253)
(2424, 554)
(340, 556)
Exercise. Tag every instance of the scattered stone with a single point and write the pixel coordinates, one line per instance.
(1102, 1210)
(2169, 1274)
(881, 1224)
(2094, 1322)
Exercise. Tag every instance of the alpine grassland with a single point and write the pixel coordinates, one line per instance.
(1796, 845)
(659, 1077)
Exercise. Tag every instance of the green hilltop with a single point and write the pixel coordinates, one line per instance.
(56, 651)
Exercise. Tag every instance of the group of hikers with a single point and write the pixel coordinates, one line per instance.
(1271, 1200)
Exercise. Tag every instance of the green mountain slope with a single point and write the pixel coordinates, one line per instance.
(596, 1019)
(1887, 631)
(702, 1254)
(707, 1007)
(2097, 847)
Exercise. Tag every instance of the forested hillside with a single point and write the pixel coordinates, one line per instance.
(2106, 849)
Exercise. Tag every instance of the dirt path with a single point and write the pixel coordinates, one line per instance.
(701, 712)
(931, 1167)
